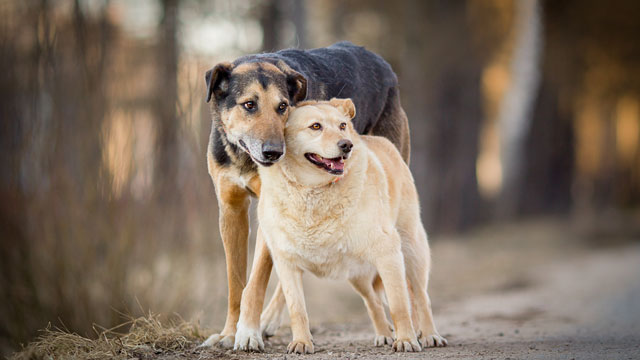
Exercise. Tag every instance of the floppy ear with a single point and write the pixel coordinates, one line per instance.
(346, 106)
(297, 86)
(296, 82)
(217, 80)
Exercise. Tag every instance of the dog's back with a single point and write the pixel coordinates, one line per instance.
(344, 70)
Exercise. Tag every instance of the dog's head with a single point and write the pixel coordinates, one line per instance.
(253, 100)
(320, 138)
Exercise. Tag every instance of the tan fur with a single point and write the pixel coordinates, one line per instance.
(234, 185)
(246, 67)
(270, 125)
(363, 226)
(236, 182)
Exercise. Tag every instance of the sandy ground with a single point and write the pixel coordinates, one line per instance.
(523, 291)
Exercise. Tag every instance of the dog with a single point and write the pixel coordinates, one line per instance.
(341, 205)
(250, 101)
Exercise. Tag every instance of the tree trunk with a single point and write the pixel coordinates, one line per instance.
(548, 157)
(271, 19)
(442, 92)
(549, 154)
(167, 155)
(299, 19)
(516, 113)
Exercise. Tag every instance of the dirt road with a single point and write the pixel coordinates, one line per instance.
(527, 291)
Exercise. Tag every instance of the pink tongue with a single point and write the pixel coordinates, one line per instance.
(337, 165)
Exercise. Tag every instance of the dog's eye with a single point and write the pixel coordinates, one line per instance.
(315, 126)
(249, 105)
(343, 126)
(282, 107)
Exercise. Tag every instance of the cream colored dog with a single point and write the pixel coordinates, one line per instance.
(341, 205)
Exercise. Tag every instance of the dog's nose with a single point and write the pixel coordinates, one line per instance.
(345, 145)
(272, 151)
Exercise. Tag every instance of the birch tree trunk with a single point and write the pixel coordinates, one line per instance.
(516, 111)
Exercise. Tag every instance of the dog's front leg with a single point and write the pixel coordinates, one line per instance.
(233, 203)
(248, 336)
(291, 281)
(390, 266)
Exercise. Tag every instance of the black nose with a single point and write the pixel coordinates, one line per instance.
(272, 151)
(345, 145)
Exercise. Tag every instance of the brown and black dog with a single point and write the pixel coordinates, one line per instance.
(250, 100)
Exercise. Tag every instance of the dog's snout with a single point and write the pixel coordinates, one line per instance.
(345, 145)
(272, 151)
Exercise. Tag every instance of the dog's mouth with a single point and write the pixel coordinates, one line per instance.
(243, 145)
(334, 166)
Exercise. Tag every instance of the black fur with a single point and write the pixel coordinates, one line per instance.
(226, 153)
(342, 70)
(217, 80)
(218, 148)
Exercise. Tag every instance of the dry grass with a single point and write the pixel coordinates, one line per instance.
(142, 338)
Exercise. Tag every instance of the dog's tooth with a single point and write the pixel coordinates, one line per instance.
(331, 165)
(341, 160)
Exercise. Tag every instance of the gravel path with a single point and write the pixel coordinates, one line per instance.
(542, 296)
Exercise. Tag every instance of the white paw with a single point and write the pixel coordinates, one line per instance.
(225, 341)
(382, 340)
(248, 339)
(432, 340)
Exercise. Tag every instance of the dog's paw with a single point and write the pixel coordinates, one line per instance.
(406, 345)
(248, 339)
(432, 340)
(382, 340)
(224, 341)
(300, 347)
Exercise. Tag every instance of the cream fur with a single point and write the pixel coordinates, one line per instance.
(366, 224)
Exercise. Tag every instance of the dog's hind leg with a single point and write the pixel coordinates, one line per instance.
(417, 268)
(271, 317)
(415, 313)
(378, 287)
(233, 203)
(375, 307)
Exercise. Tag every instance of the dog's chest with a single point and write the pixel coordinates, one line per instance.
(334, 261)
(326, 251)
(337, 267)
(242, 178)
(322, 231)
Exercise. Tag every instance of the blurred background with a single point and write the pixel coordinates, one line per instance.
(518, 110)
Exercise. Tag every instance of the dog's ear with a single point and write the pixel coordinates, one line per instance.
(346, 106)
(296, 82)
(217, 80)
(297, 86)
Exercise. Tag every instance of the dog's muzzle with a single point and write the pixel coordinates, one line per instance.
(345, 145)
(264, 153)
(272, 151)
